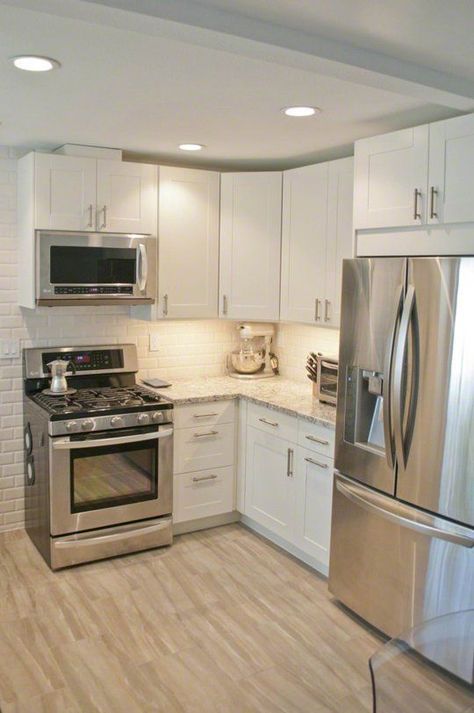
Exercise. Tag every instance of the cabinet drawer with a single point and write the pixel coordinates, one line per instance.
(316, 437)
(206, 413)
(203, 447)
(271, 421)
(202, 494)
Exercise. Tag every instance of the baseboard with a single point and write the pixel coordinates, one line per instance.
(205, 523)
(287, 546)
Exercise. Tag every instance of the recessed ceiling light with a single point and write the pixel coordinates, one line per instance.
(191, 147)
(35, 63)
(301, 110)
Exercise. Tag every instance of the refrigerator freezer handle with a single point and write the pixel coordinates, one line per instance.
(387, 382)
(399, 360)
(403, 515)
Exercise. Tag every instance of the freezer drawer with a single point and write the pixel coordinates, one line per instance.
(390, 574)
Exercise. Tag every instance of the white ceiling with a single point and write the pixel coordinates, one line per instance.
(146, 92)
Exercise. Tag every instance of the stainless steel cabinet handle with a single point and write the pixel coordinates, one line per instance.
(204, 415)
(317, 440)
(91, 216)
(416, 196)
(165, 305)
(404, 515)
(433, 195)
(326, 311)
(289, 463)
(208, 433)
(104, 222)
(204, 477)
(316, 310)
(224, 304)
(316, 462)
(269, 423)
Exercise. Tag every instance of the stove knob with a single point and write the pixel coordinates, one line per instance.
(157, 416)
(117, 421)
(87, 425)
(72, 426)
(143, 419)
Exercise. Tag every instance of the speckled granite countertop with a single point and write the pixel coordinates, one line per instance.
(277, 393)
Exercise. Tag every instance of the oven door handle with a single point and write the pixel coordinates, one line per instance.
(142, 267)
(65, 444)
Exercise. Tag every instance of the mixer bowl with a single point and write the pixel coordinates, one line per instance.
(247, 362)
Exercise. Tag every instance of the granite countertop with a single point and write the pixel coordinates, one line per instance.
(281, 394)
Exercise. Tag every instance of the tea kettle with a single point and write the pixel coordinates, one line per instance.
(59, 385)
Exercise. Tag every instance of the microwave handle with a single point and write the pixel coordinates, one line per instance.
(142, 267)
(119, 440)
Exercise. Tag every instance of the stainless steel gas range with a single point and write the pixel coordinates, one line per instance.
(99, 461)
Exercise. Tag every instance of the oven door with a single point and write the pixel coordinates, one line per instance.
(93, 266)
(111, 477)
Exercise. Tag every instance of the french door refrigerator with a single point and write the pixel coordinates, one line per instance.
(403, 508)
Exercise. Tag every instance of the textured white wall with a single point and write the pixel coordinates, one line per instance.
(186, 349)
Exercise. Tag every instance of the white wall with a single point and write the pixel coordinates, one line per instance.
(187, 349)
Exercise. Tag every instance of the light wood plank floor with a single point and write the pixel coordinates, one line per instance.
(222, 622)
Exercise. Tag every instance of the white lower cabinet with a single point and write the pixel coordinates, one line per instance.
(314, 478)
(288, 487)
(203, 494)
(269, 483)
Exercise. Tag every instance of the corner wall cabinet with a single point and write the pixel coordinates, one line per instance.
(250, 239)
(414, 177)
(75, 193)
(316, 237)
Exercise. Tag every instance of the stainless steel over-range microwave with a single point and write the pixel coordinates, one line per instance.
(94, 268)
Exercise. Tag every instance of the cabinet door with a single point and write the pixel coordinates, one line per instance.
(451, 178)
(388, 171)
(126, 197)
(65, 192)
(188, 242)
(270, 485)
(304, 229)
(250, 242)
(314, 476)
(339, 235)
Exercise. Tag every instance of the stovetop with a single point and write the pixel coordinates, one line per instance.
(97, 401)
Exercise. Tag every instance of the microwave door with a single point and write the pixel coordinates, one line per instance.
(372, 298)
(434, 388)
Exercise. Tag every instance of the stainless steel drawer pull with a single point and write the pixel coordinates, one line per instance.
(204, 415)
(327, 318)
(224, 304)
(315, 439)
(416, 196)
(434, 193)
(269, 423)
(91, 216)
(317, 318)
(165, 305)
(204, 477)
(104, 223)
(316, 462)
(208, 433)
(289, 463)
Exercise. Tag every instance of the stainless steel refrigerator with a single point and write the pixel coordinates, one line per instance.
(403, 508)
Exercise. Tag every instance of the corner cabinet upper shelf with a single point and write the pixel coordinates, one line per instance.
(88, 194)
(420, 182)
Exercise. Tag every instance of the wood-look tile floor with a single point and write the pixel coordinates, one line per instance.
(221, 622)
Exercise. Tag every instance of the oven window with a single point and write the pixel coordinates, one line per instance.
(113, 475)
(328, 381)
(92, 266)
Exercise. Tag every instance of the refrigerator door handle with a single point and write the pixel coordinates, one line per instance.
(399, 361)
(387, 383)
(404, 515)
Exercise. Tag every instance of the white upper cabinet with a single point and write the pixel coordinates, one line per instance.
(126, 197)
(316, 237)
(188, 243)
(451, 174)
(65, 192)
(340, 241)
(304, 242)
(391, 174)
(250, 239)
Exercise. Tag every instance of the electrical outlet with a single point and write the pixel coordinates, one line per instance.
(9, 348)
(154, 342)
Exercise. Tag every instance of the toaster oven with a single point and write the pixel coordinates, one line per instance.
(328, 369)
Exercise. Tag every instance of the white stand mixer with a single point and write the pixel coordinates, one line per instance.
(253, 360)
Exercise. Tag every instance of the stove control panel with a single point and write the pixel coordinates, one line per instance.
(104, 423)
(87, 360)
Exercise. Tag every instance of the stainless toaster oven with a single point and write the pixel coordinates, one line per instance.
(328, 369)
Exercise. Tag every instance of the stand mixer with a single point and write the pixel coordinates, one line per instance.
(253, 359)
